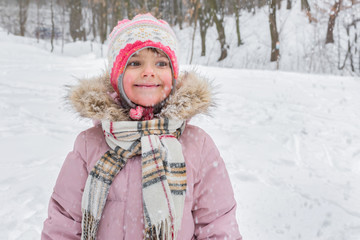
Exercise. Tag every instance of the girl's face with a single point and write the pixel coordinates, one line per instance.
(148, 78)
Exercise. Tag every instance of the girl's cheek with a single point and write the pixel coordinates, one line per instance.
(167, 78)
(127, 84)
(128, 79)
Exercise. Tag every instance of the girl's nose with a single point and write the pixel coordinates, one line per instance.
(148, 71)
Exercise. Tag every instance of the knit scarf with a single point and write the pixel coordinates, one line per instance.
(163, 175)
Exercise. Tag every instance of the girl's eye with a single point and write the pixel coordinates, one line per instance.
(134, 63)
(162, 64)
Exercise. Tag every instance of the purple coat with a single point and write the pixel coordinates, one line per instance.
(209, 211)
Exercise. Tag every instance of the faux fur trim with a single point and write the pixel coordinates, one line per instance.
(91, 99)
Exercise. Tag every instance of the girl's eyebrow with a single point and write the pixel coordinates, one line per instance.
(161, 55)
(134, 56)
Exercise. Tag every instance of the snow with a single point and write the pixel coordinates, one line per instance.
(290, 141)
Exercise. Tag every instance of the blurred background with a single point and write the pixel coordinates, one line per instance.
(291, 35)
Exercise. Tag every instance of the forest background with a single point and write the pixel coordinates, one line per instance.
(292, 35)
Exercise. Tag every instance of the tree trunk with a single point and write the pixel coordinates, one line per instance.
(157, 12)
(348, 53)
(129, 9)
(37, 33)
(102, 21)
(93, 19)
(76, 31)
(196, 11)
(23, 9)
(203, 30)
(178, 13)
(275, 52)
(116, 13)
(219, 27)
(63, 11)
(349, 50)
(204, 22)
(335, 9)
(250, 5)
(356, 45)
(52, 26)
(288, 5)
(171, 12)
(305, 6)
(237, 22)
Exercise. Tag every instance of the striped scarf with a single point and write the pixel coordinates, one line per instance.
(163, 175)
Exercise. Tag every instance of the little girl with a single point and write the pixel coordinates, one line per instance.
(144, 172)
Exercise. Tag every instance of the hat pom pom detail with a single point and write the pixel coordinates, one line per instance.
(136, 113)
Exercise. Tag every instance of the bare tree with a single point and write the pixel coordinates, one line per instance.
(129, 8)
(116, 11)
(38, 5)
(335, 9)
(219, 22)
(23, 8)
(52, 25)
(93, 18)
(352, 41)
(76, 29)
(196, 6)
(178, 8)
(5, 17)
(305, 6)
(62, 5)
(349, 54)
(275, 51)
(102, 19)
(236, 5)
(248, 5)
(156, 9)
(288, 5)
(205, 20)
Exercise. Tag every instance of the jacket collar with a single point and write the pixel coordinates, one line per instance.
(91, 98)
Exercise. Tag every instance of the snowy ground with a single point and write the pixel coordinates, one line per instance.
(291, 143)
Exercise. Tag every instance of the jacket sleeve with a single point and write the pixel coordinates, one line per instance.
(64, 213)
(214, 209)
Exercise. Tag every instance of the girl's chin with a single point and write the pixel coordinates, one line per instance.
(148, 102)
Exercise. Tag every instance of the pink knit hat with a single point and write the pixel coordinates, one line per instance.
(130, 36)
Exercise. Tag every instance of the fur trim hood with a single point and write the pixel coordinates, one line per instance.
(91, 98)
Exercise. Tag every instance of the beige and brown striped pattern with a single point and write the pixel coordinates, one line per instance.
(163, 174)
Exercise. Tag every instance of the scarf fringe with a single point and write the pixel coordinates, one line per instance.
(162, 231)
(89, 226)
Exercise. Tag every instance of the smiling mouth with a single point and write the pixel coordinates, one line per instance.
(147, 85)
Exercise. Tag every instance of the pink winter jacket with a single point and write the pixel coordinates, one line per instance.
(209, 211)
(210, 207)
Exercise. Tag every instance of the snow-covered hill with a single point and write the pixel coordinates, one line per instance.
(291, 143)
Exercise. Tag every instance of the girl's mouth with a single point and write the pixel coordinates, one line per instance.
(147, 85)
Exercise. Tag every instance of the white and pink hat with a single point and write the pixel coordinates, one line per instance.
(130, 36)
